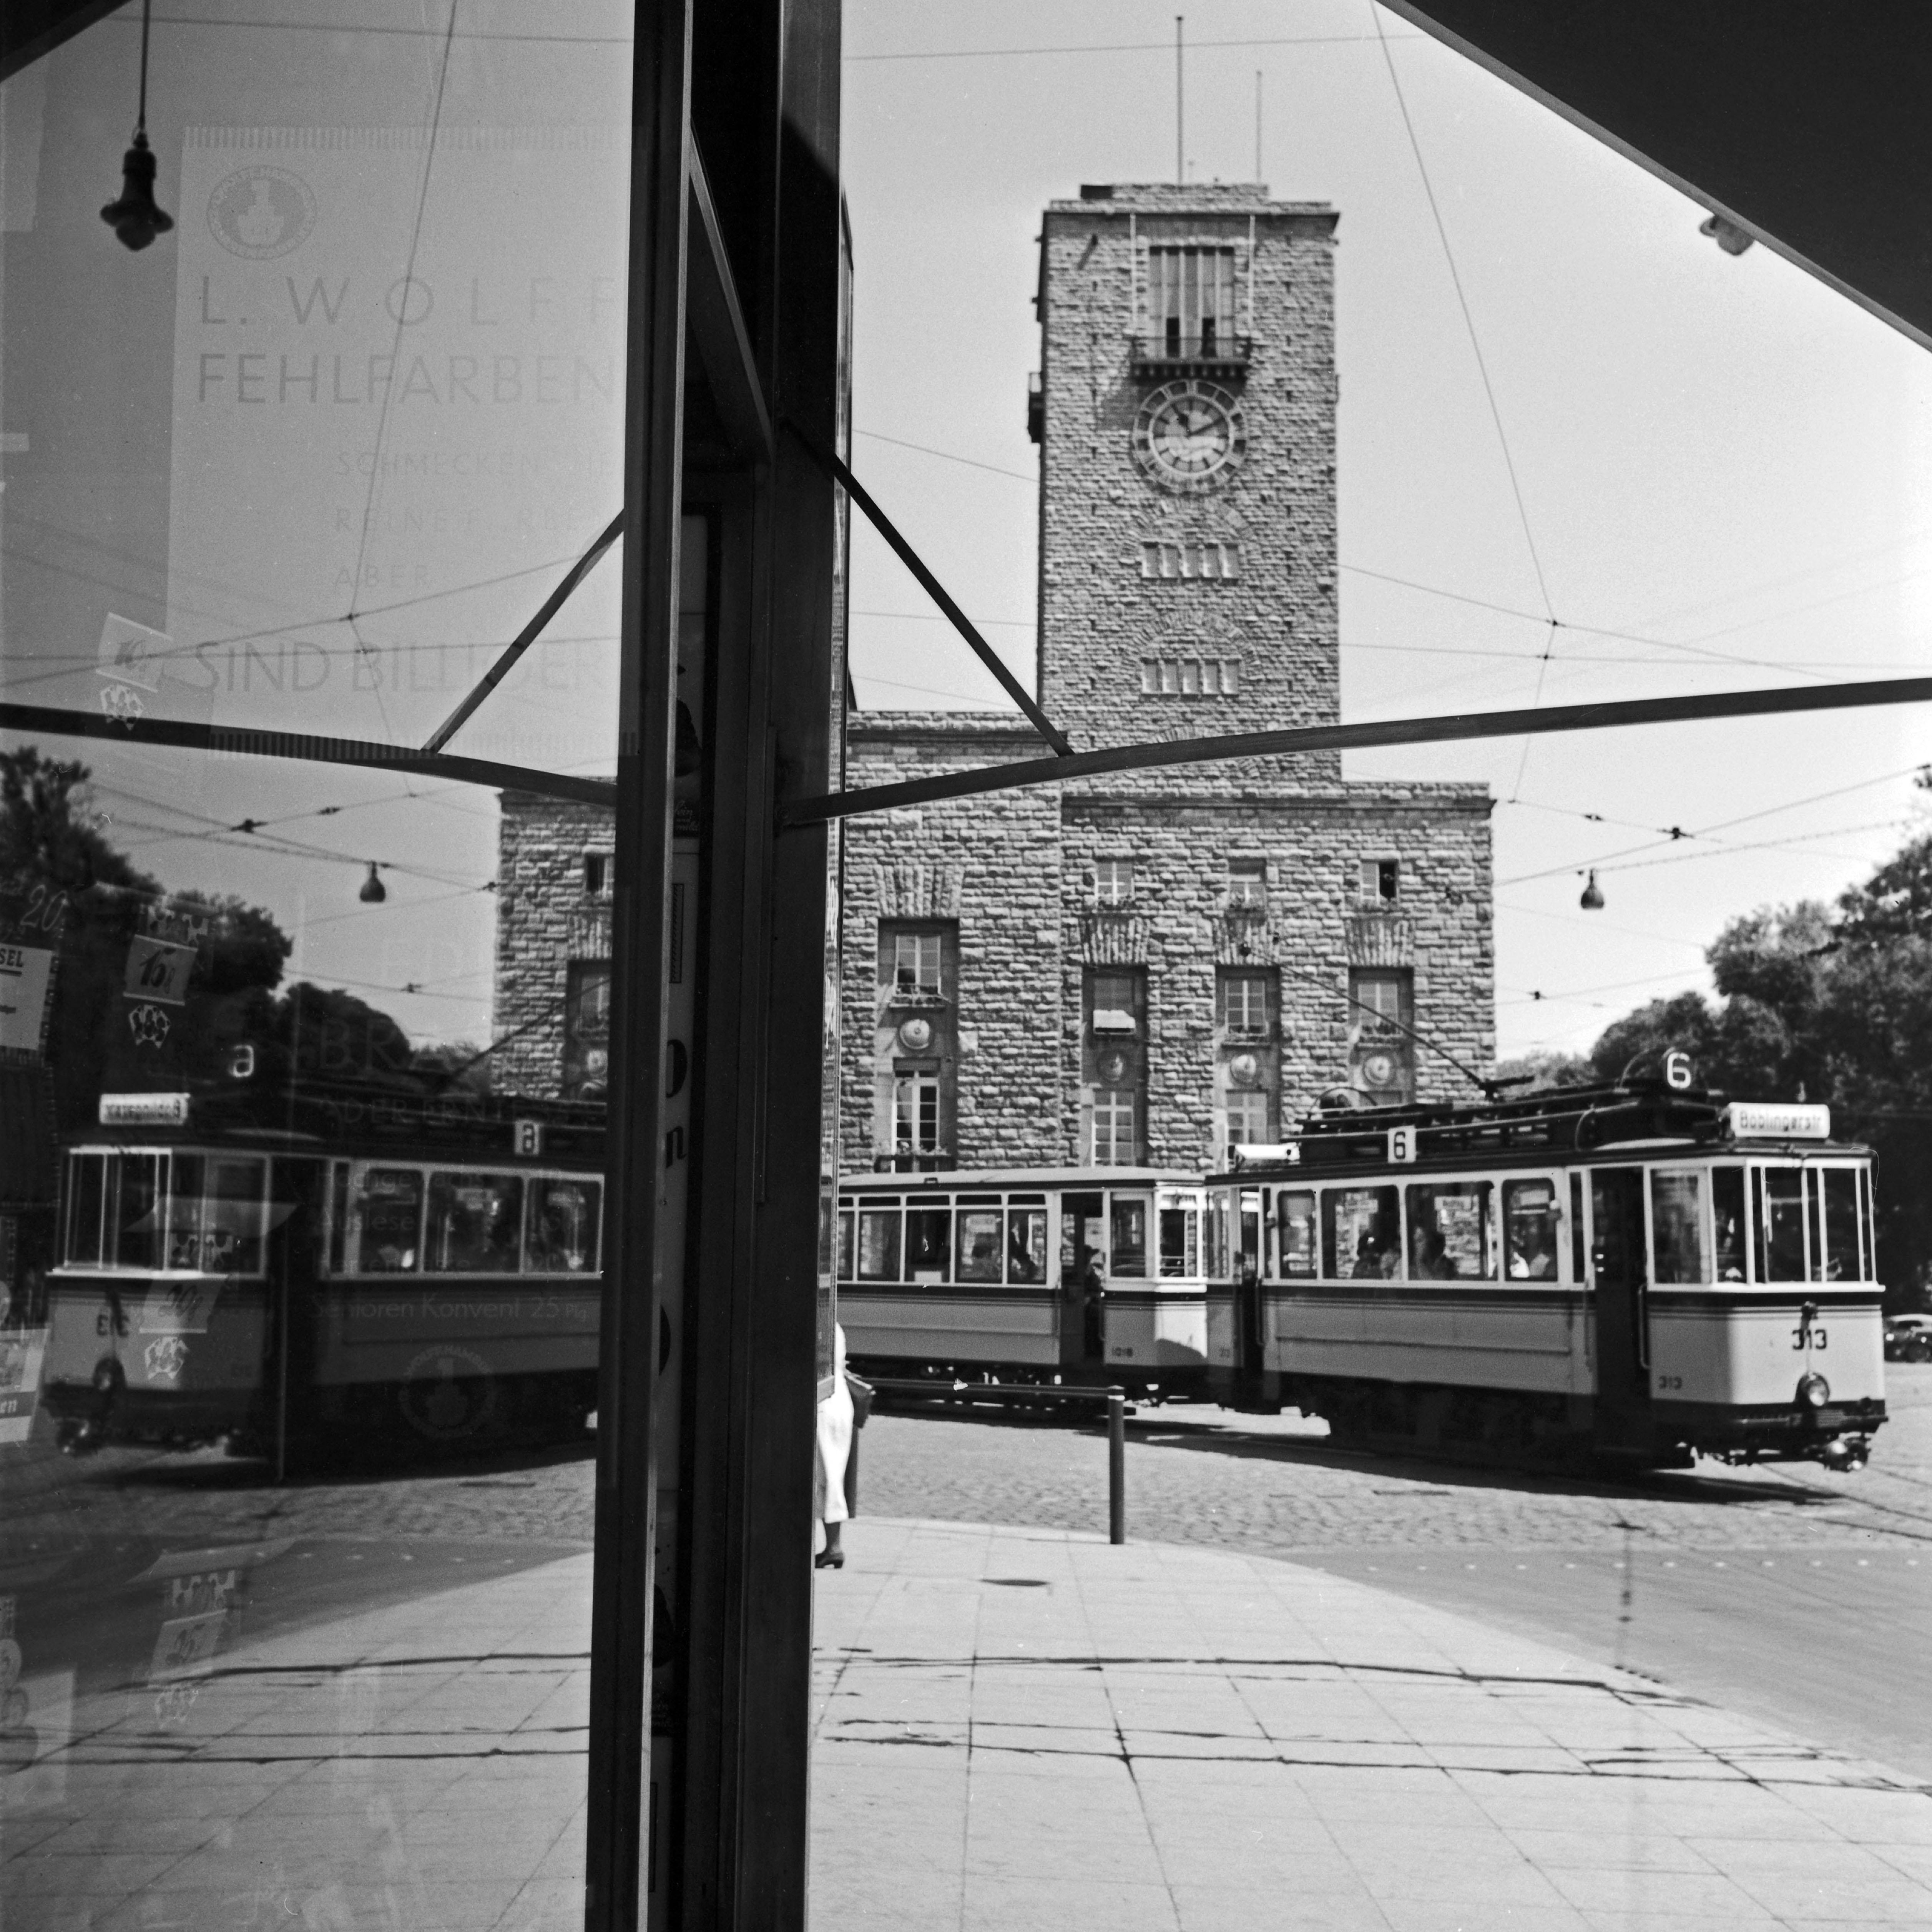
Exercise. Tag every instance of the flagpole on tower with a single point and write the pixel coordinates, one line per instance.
(1180, 106)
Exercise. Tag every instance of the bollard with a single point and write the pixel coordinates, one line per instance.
(1116, 1466)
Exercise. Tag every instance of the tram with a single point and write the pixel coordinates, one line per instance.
(322, 1271)
(1638, 1272)
(1081, 1275)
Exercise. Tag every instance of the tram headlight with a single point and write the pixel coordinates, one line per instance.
(1813, 1391)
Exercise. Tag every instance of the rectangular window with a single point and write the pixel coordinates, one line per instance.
(564, 1222)
(1129, 1255)
(1026, 1245)
(1247, 885)
(879, 1244)
(1866, 1222)
(1382, 1054)
(1295, 1232)
(89, 1173)
(1379, 882)
(386, 1220)
(915, 1113)
(1246, 1002)
(1179, 1243)
(1841, 1224)
(1677, 1227)
(1449, 1231)
(848, 1244)
(586, 1029)
(1249, 1116)
(1727, 1221)
(139, 1210)
(1173, 560)
(929, 1242)
(1191, 300)
(1814, 1227)
(916, 958)
(977, 1230)
(1361, 1233)
(1778, 1224)
(1114, 1127)
(217, 1213)
(1530, 1218)
(1578, 1248)
(597, 875)
(1191, 677)
(338, 1214)
(1113, 881)
(474, 1220)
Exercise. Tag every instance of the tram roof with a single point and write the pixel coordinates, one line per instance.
(1030, 1179)
(1629, 1116)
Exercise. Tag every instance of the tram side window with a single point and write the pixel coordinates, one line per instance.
(86, 1196)
(978, 1235)
(139, 1211)
(1294, 1228)
(216, 1213)
(561, 1233)
(474, 1223)
(1530, 1214)
(847, 1238)
(1841, 1224)
(1778, 1224)
(387, 1219)
(1449, 1231)
(879, 1244)
(1677, 1226)
(1130, 1235)
(1727, 1221)
(928, 1238)
(1220, 1241)
(1180, 1243)
(1026, 1245)
(1361, 1233)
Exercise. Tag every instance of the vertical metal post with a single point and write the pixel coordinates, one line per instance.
(1116, 1466)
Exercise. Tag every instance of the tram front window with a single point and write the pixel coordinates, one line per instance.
(1180, 1243)
(214, 1214)
(1361, 1234)
(88, 1180)
(1677, 1226)
(1841, 1224)
(139, 1210)
(1130, 1235)
(1727, 1221)
(1777, 1223)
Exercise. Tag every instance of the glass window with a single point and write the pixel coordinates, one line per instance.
(89, 1177)
(916, 961)
(1191, 299)
(1220, 1244)
(1114, 1127)
(1677, 1226)
(474, 1223)
(915, 1113)
(1814, 1227)
(1244, 1002)
(1113, 880)
(1777, 1229)
(563, 1225)
(1361, 1233)
(1866, 1222)
(140, 1210)
(1026, 1245)
(1449, 1231)
(928, 1242)
(978, 1234)
(387, 1220)
(1531, 1215)
(879, 1244)
(1841, 1224)
(1248, 1113)
(1247, 884)
(1129, 1255)
(1379, 882)
(1179, 1243)
(1727, 1222)
(1295, 1224)
(215, 1214)
(846, 1244)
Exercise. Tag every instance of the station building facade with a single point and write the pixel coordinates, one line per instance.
(1148, 968)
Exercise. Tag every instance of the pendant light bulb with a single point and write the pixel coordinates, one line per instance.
(373, 891)
(1592, 900)
(136, 218)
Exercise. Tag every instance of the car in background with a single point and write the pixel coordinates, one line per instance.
(1908, 1338)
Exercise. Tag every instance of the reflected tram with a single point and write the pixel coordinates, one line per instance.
(1641, 1273)
(1081, 1275)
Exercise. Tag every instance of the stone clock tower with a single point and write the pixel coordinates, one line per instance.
(1187, 422)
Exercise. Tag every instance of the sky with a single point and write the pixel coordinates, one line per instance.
(1558, 400)
(1583, 453)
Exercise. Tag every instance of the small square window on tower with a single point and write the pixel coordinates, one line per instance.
(1381, 882)
(1113, 881)
(1247, 885)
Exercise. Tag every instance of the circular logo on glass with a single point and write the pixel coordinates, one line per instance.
(260, 212)
(449, 1392)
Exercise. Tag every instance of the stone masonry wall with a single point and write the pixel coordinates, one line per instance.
(544, 921)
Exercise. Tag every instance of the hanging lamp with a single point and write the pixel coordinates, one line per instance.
(1592, 900)
(373, 891)
(136, 218)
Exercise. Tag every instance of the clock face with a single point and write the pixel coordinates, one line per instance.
(1189, 436)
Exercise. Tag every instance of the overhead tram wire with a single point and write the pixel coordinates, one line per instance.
(1118, 47)
(1482, 369)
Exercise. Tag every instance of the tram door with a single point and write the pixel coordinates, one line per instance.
(1248, 1272)
(1083, 1273)
(1620, 1261)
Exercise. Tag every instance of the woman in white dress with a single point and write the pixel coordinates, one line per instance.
(828, 1476)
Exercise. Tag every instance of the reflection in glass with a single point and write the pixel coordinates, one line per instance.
(1530, 1218)
(1677, 1226)
(1449, 1232)
(1361, 1233)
